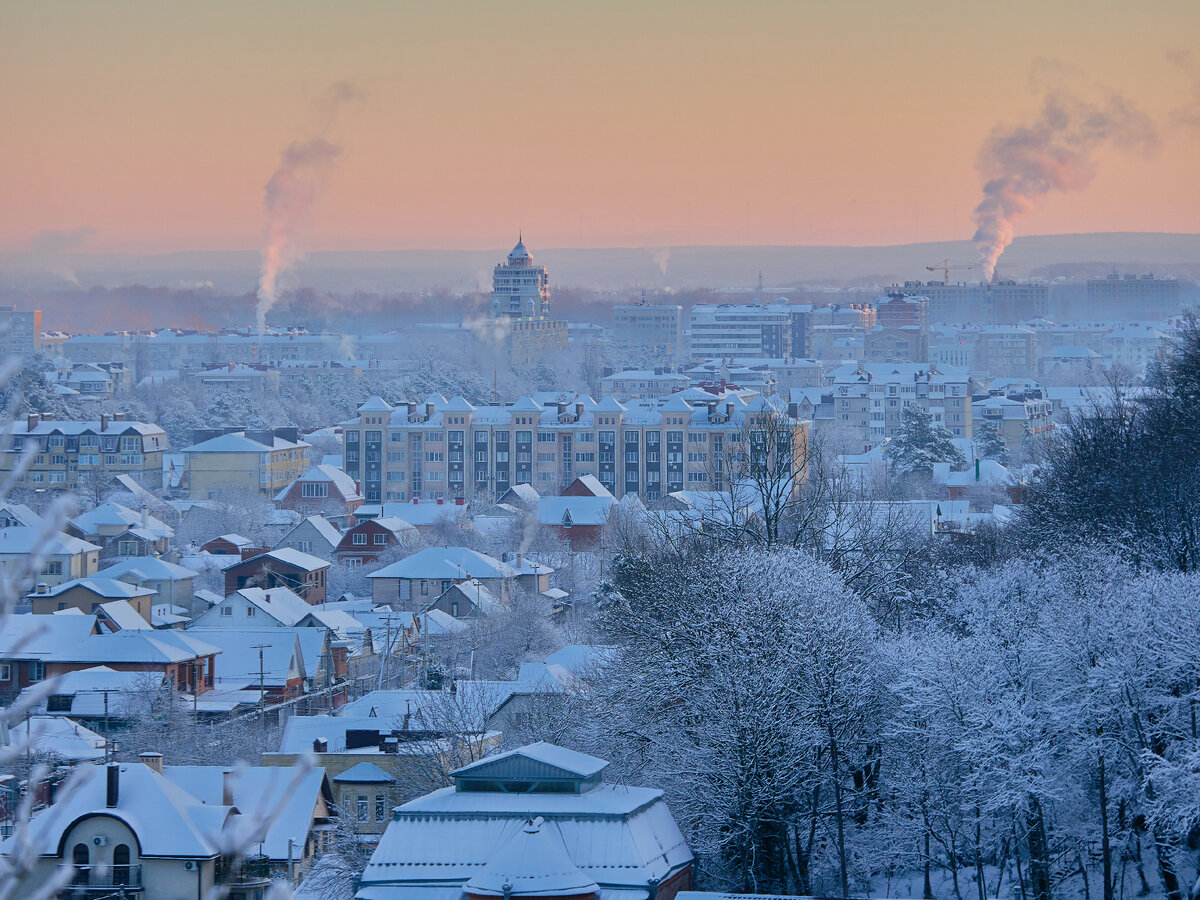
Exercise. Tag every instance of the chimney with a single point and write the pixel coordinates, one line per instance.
(118, 417)
(977, 468)
(728, 409)
(113, 793)
(104, 421)
(460, 501)
(794, 410)
(152, 761)
(32, 421)
(227, 787)
(320, 745)
(145, 516)
(441, 501)
(520, 560)
(579, 410)
(428, 410)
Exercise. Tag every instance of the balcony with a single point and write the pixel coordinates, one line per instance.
(94, 882)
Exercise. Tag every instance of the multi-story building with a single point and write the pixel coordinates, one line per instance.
(769, 376)
(1017, 414)
(1000, 302)
(254, 462)
(737, 329)
(69, 451)
(452, 449)
(521, 298)
(20, 331)
(1009, 350)
(657, 329)
(657, 382)
(871, 397)
(1132, 297)
(902, 311)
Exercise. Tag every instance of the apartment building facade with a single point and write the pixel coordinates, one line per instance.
(255, 462)
(871, 397)
(740, 329)
(449, 449)
(70, 450)
(657, 329)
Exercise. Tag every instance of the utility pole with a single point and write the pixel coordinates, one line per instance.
(262, 693)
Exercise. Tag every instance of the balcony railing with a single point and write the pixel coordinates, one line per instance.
(90, 882)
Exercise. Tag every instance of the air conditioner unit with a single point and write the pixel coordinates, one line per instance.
(99, 840)
(189, 864)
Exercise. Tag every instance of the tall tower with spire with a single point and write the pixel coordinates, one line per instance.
(521, 299)
(520, 290)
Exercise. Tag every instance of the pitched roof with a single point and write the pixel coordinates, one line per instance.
(569, 763)
(110, 588)
(290, 556)
(574, 510)
(436, 563)
(534, 863)
(365, 773)
(167, 820)
(114, 514)
(375, 403)
(344, 484)
(147, 568)
(123, 616)
(237, 442)
(19, 539)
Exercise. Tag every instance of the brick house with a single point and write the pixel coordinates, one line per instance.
(322, 490)
(299, 572)
(366, 541)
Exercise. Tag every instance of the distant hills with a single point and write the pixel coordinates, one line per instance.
(617, 269)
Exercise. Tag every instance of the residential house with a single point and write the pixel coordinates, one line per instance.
(230, 545)
(371, 538)
(985, 478)
(323, 490)
(299, 572)
(313, 534)
(56, 739)
(174, 584)
(99, 696)
(122, 531)
(66, 557)
(297, 806)
(579, 514)
(252, 462)
(538, 821)
(278, 663)
(276, 607)
(88, 594)
(417, 581)
(124, 829)
(28, 642)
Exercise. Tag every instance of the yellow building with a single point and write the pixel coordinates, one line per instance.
(71, 453)
(255, 462)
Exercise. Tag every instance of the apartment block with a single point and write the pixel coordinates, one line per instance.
(443, 449)
(1132, 297)
(20, 331)
(870, 397)
(737, 329)
(998, 303)
(68, 451)
(255, 462)
(657, 329)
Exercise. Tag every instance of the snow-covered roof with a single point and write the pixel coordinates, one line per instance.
(450, 563)
(533, 863)
(110, 588)
(374, 404)
(237, 442)
(147, 568)
(593, 485)
(569, 763)
(576, 658)
(326, 529)
(111, 514)
(167, 820)
(134, 646)
(568, 511)
(58, 736)
(290, 556)
(416, 513)
(286, 653)
(285, 798)
(123, 616)
(365, 773)
(990, 472)
(342, 482)
(26, 636)
(19, 539)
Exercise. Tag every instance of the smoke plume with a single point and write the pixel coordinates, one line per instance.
(1054, 153)
(661, 258)
(49, 246)
(289, 195)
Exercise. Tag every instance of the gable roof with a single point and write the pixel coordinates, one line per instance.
(19, 539)
(109, 588)
(147, 568)
(567, 511)
(326, 529)
(446, 563)
(289, 556)
(365, 773)
(322, 473)
(237, 442)
(123, 616)
(110, 514)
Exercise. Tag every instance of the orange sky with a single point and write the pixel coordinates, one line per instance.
(584, 123)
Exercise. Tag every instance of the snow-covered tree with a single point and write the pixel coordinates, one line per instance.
(989, 442)
(920, 442)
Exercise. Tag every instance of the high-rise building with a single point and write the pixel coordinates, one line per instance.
(998, 303)
(20, 331)
(658, 329)
(1132, 297)
(871, 397)
(521, 298)
(741, 330)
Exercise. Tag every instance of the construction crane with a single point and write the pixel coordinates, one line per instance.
(946, 265)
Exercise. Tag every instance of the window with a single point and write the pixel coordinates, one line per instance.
(37, 671)
(361, 808)
(546, 437)
(359, 539)
(5, 672)
(314, 489)
(380, 540)
(79, 857)
(59, 703)
(424, 588)
(380, 807)
(54, 567)
(127, 548)
(120, 869)
(304, 546)
(250, 610)
(227, 610)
